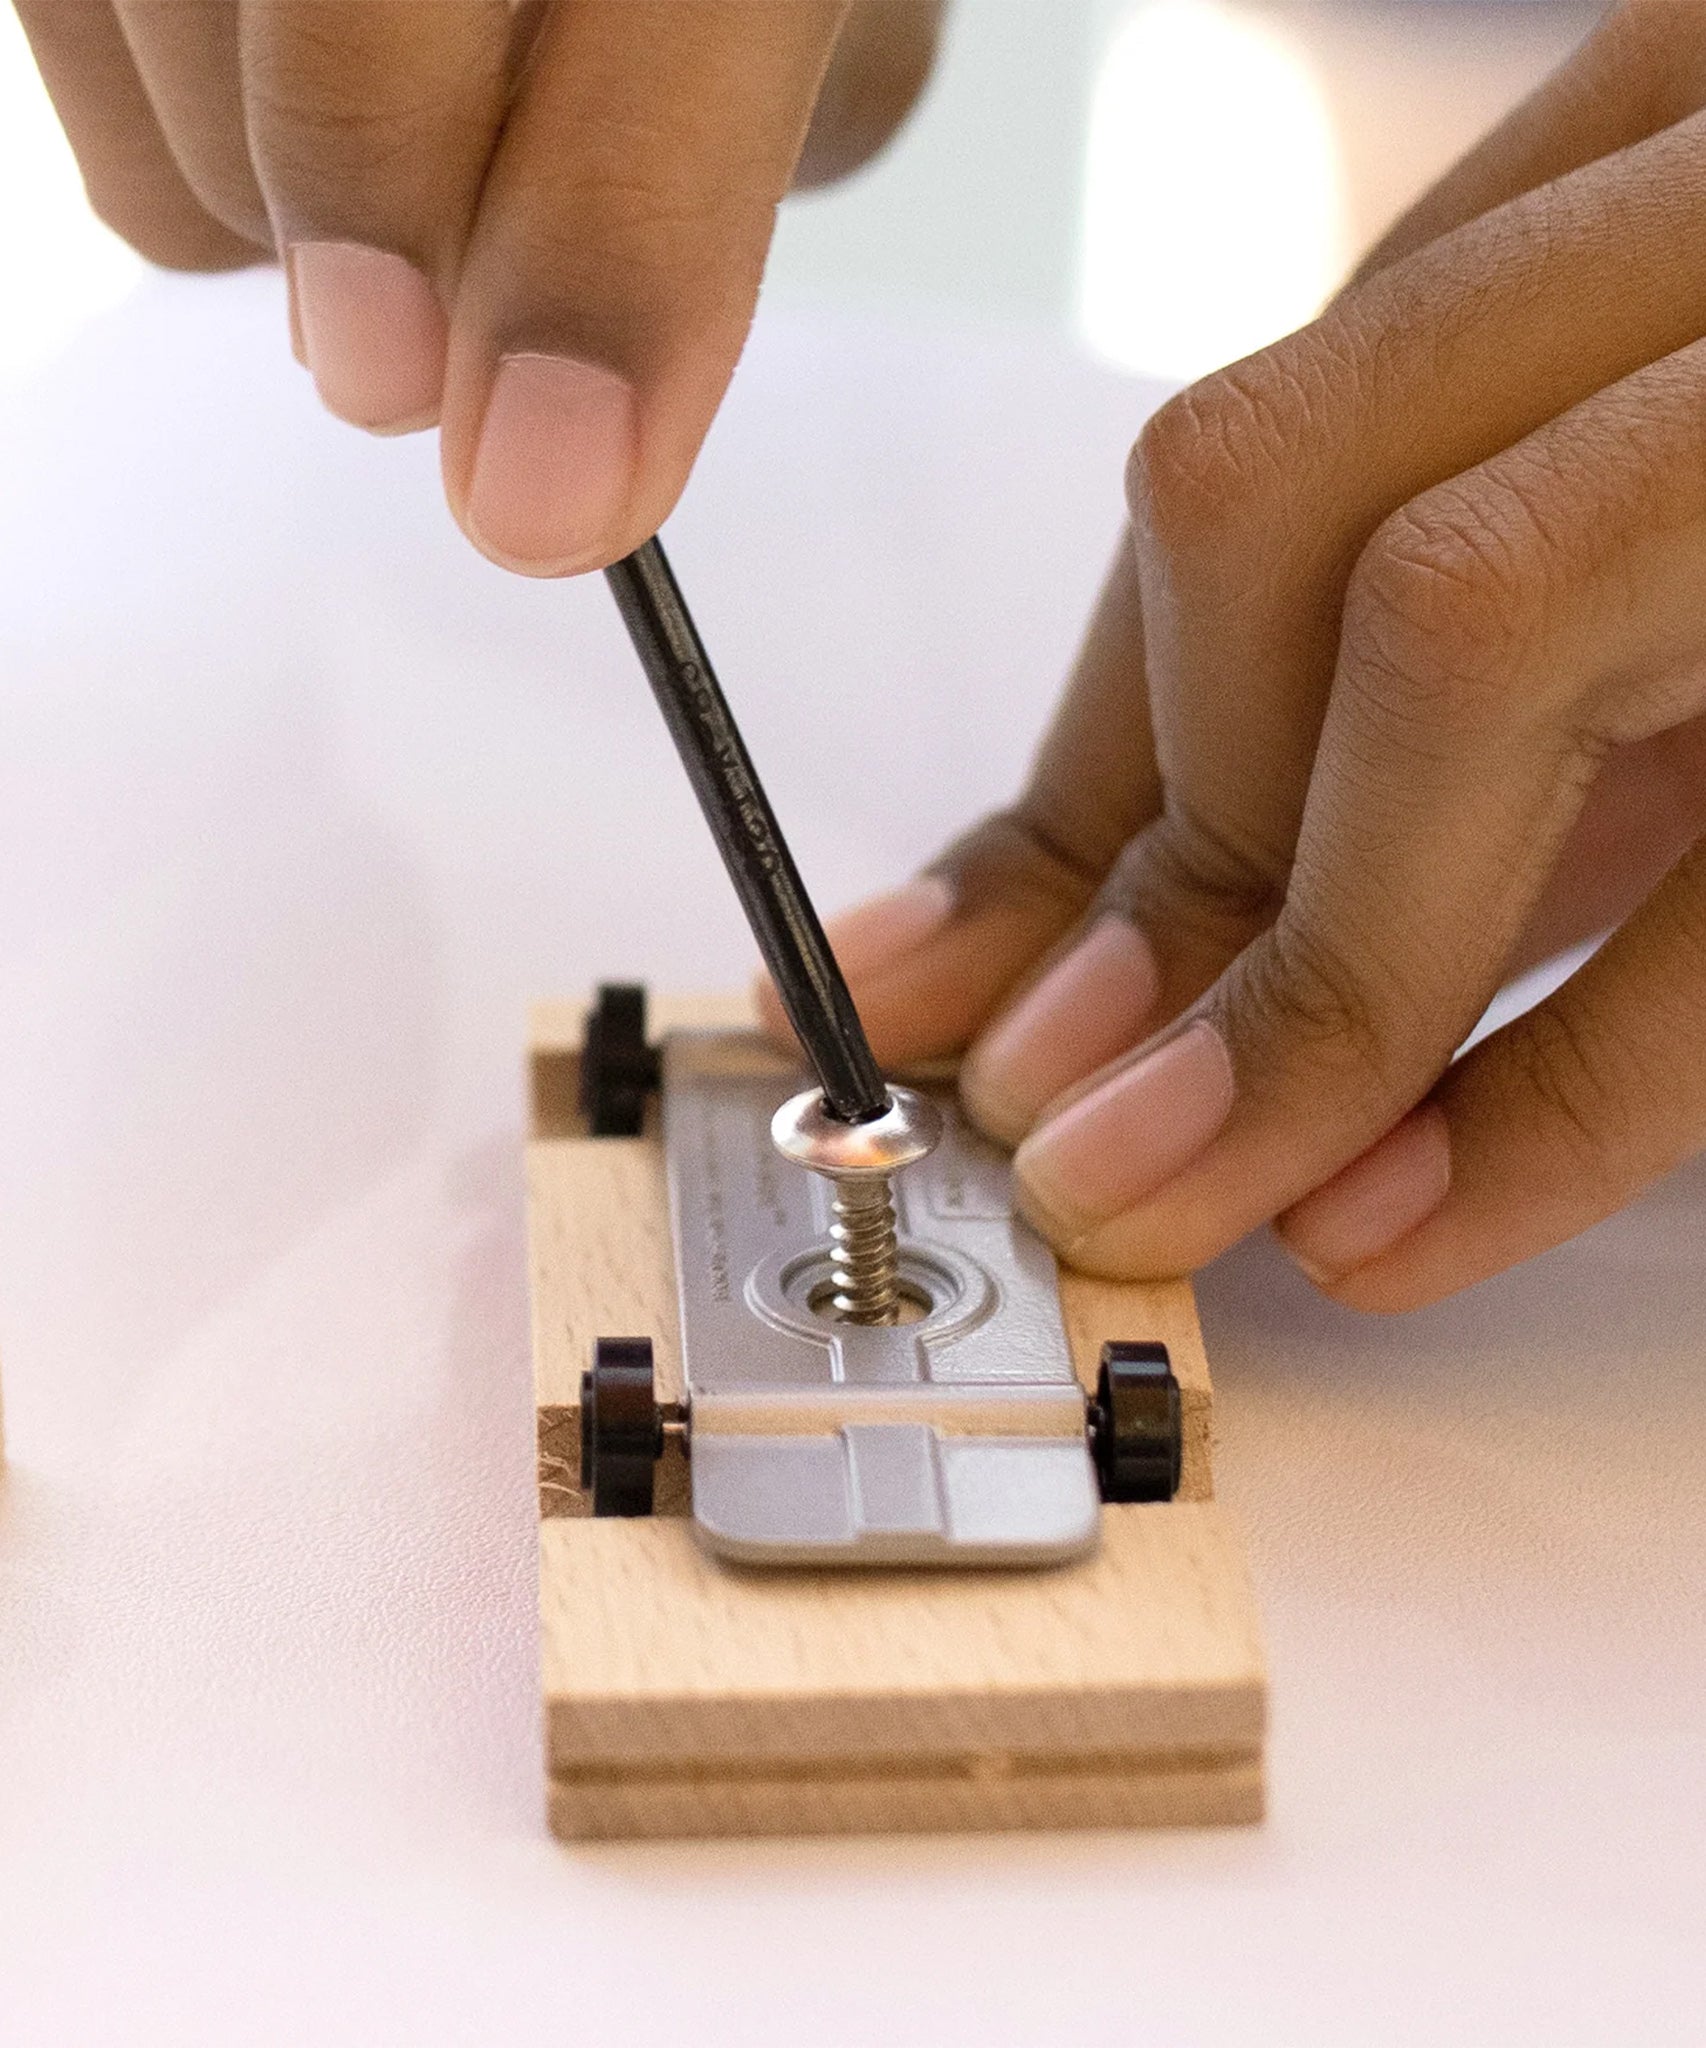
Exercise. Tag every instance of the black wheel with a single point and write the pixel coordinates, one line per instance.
(1136, 1435)
(621, 1430)
(618, 1068)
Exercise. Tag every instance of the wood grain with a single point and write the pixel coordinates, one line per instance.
(687, 1697)
(789, 1664)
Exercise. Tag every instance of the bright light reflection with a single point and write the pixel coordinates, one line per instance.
(60, 265)
(1214, 218)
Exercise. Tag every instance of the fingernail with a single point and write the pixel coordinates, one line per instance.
(1369, 1205)
(554, 464)
(874, 934)
(1086, 1010)
(371, 331)
(1114, 1147)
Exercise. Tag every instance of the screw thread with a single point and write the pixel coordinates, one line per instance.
(864, 1256)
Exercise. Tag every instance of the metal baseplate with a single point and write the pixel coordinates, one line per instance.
(954, 1437)
(957, 1436)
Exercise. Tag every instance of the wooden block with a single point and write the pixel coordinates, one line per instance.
(688, 1697)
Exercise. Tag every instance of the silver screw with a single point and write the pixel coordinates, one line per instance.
(859, 1160)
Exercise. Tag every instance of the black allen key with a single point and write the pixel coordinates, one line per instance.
(813, 990)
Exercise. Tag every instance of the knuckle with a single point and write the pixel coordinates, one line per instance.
(311, 131)
(332, 98)
(1075, 839)
(1199, 456)
(1446, 601)
(1200, 895)
(622, 224)
(1196, 878)
(1228, 446)
(1304, 990)
(1027, 851)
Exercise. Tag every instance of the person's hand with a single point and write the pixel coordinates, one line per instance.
(540, 225)
(1397, 684)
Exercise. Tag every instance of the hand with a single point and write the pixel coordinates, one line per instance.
(1397, 684)
(542, 226)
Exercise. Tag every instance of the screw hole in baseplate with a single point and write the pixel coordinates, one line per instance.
(916, 1302)
(943, 1293)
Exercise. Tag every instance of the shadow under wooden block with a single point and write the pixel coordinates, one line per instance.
(684, 1696)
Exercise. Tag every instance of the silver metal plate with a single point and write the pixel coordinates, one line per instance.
(957, 1438)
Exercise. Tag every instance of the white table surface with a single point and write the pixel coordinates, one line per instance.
(299, 803)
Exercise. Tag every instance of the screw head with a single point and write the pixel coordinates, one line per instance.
(804, 1131)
